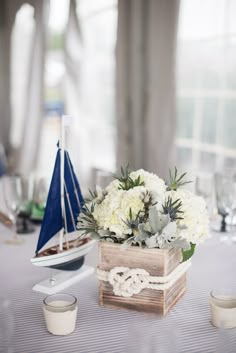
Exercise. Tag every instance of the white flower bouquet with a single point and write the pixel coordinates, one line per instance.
(139, 209)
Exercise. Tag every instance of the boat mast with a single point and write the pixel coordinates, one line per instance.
(64, 122)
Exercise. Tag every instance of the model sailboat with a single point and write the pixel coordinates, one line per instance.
(63, 206)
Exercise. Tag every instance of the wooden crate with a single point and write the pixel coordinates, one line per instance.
(158, 262)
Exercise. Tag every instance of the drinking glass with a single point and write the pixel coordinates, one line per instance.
(103, 178)
(25, 209)
(204, 187)
(40, 198)
(41, 191)
(223, 316)
(12, 193)
(225, 185)
(60, 312)
(223, 308)
(3, 161)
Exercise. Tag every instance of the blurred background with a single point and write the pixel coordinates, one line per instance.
(150, 83)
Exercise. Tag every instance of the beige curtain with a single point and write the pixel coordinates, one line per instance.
(34, 99)
(7, 14)
(146, 119)
(27, 115)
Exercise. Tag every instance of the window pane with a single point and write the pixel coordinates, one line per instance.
(208, 128)
(229, 128)
(187, 77)
(211, 58)
(201, 19)
(185, 117)
(206, 82)
(231, 16)
(231, 65)
(184, 158)
(230, 163)
(207, 161)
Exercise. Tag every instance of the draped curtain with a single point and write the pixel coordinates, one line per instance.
(146, 52)
(6, 21)
(28, 114)
(34, 93)
(78, 141)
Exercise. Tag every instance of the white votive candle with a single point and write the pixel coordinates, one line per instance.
(223, 308)
(60, 312)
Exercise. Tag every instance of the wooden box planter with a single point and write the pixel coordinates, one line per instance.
(157, 262)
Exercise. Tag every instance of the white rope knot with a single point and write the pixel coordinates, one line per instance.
(126, 282)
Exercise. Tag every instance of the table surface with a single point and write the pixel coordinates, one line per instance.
(185, 329)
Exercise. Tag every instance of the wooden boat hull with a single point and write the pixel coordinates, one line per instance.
(65, 260)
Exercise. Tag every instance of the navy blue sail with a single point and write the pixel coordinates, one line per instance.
(73, 197)
(53, 220)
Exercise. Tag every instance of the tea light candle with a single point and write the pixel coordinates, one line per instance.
(60, 311)
(223, 308)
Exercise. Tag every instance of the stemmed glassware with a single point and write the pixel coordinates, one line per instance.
(25, 209)
(204, 187)
(103, 178)
(41, 187)
(12, 193)
(225, 184)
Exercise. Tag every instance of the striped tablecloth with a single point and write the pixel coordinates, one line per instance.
(187, 328)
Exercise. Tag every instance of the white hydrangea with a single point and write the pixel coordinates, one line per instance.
(155, 185)
(113, 186)
(151, 181)
(114, 210)
(195, 225)
(110, 212)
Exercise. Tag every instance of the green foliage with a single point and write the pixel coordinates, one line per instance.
(126, 182)
(172, 208)
(175, 181)
(187, 254)
(86, 222)
(92, 196)
(133, 222)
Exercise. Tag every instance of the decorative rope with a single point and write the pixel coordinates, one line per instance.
(127, 282)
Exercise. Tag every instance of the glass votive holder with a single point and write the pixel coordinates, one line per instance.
(223, 308)
(60, 312)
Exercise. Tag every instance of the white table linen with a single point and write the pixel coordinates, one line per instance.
(186, 328)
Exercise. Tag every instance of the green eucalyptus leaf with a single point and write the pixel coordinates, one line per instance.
(104, 232)
(95, 235)
(187, 254)
(153, 219)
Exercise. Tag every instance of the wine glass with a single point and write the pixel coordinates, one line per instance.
(3, 161)
(204, 188)
(39, 198)
(226, 197)
(103, 178)
(24, 225)
(12, 193)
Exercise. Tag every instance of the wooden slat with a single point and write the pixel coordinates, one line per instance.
(157, 262)
(148, 300)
